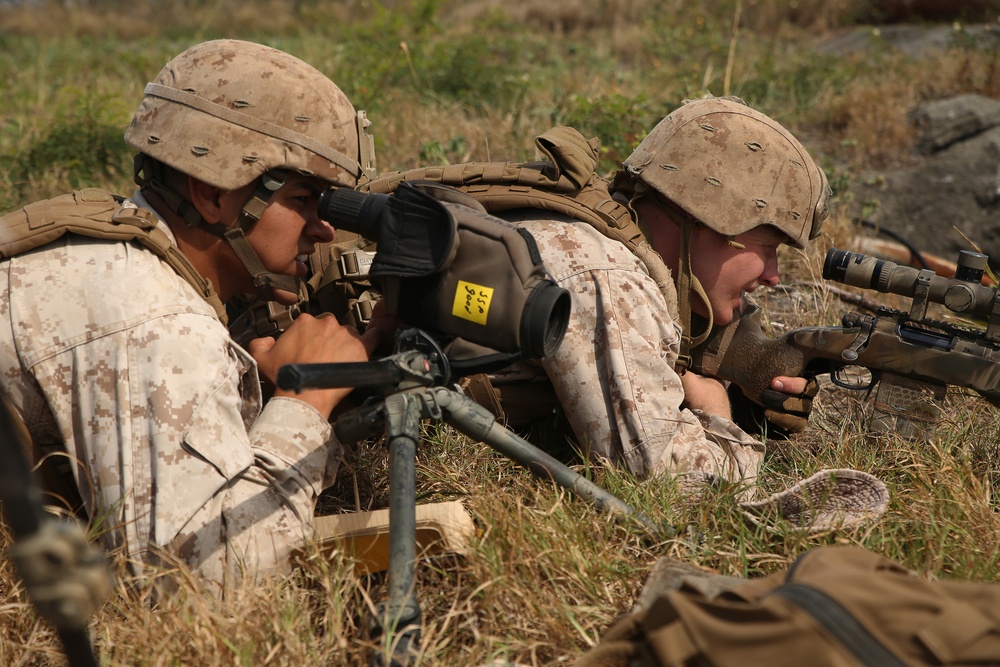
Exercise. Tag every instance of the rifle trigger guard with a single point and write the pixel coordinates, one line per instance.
(866, 324)
(838, 380)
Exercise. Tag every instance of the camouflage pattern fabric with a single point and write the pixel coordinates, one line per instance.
(614, 372)
(108, 351)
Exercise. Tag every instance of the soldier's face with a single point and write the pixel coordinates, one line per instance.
(289, 229)
(727, 271)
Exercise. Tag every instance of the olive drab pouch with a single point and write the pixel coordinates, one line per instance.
(450, 268)
(834, 607)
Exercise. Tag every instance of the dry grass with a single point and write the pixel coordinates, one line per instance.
(545, 575)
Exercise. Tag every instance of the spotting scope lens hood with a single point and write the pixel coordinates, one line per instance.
(544, 319)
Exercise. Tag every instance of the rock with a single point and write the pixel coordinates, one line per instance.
(943, 122)
(953, 191)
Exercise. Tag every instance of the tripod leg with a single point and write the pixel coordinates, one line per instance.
(477, 422)
(400, 620)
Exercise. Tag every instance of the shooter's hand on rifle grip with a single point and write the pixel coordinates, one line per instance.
(789, 411)
(754, 360)
(775, 413)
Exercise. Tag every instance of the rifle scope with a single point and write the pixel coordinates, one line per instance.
(962, 294)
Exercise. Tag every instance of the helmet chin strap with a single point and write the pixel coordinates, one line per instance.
(688, 284)
(265, 282)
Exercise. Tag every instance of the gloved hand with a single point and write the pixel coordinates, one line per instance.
(781, 415)
(790, 412)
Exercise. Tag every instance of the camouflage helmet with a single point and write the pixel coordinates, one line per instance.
(227, 112)
(733, 169)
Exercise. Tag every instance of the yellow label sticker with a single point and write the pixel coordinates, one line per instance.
(472, 302)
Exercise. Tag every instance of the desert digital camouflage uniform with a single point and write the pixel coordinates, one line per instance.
(614, 372)
(108, 350)
(715, 163)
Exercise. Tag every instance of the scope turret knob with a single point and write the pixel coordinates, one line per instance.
(959, 298)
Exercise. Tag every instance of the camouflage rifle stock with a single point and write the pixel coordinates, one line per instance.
(912, 358)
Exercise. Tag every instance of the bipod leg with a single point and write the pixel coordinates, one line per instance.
(398, 621)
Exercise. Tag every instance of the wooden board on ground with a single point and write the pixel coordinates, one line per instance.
(441, 528)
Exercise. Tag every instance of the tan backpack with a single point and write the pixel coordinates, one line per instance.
(834, 607)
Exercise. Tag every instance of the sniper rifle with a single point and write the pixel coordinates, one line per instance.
(912, 358)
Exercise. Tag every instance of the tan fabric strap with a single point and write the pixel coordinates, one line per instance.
(95, 213)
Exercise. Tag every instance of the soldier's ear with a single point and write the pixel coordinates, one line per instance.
(208, 199)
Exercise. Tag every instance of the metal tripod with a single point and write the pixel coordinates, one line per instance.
(409, 384)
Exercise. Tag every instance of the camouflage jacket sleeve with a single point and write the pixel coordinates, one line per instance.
(614, 371)
(112, 353)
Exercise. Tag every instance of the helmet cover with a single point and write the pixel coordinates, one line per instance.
(733, 169)
(228, 111)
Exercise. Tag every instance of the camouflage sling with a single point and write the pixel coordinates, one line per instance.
(834, 607)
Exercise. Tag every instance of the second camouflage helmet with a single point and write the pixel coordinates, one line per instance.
(228, 111)
(732, 169)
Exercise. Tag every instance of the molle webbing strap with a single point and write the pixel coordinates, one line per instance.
(568, 184)
(95, 213)
(249, 122)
